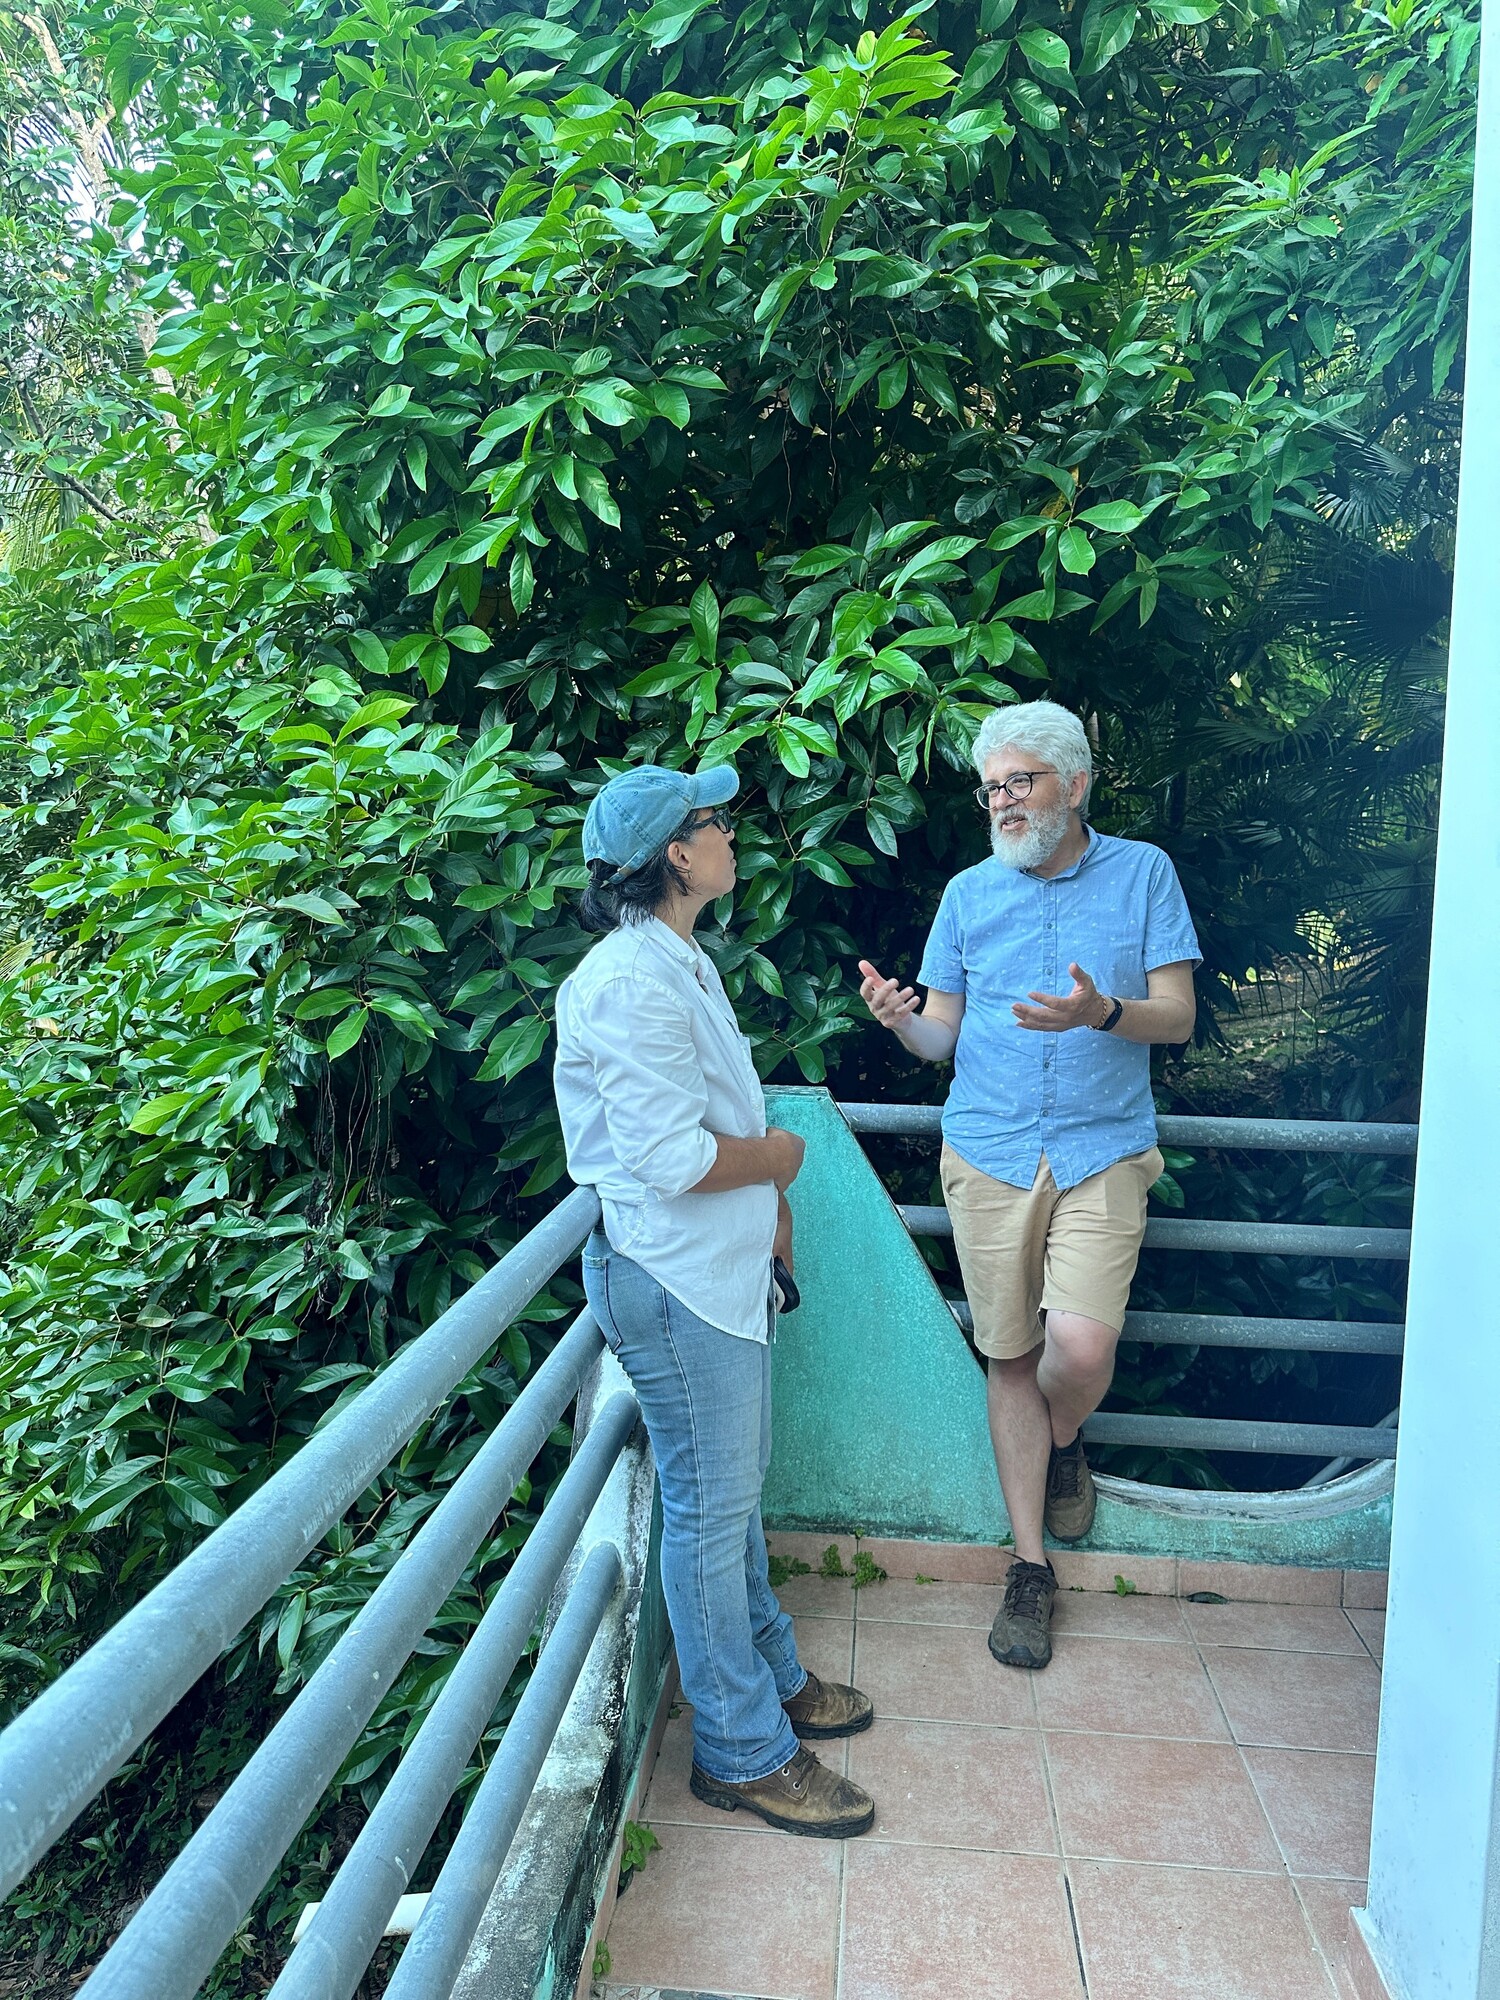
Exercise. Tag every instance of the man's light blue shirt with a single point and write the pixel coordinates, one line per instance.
(1082, 1098)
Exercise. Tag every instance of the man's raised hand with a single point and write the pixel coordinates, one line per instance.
(1055, 1013)
(891, 1003)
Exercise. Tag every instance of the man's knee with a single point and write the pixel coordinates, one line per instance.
(1080, 1346)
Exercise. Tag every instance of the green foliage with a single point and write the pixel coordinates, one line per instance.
(781, 1569)
(638, 1844)
(532, 395)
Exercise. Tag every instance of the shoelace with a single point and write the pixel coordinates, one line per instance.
(1067, 1475)
(1023, 1591)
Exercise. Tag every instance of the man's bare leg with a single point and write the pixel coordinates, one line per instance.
(1073, 1374)
(1021, 1429)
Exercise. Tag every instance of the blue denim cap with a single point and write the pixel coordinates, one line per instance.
(639, 811)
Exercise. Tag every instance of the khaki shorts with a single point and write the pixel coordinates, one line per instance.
(1028, 1251)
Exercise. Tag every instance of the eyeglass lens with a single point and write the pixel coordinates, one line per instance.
(1016, 787)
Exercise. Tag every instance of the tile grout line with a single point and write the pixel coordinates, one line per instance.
(1073, 1926)
(838, 1936)
(1288, 1876)
(1061, 1851)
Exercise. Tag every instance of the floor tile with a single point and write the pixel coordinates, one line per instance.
(951, 1562)
(816, 1597)
(1370, 1625)
(1193, 1934)
(1318, 1803)
(1299, 1701)
(941, 1784)
(711, 1910)
(1327, 1905)
(1119, 1685)
(909, 1603)
(1107, 1616)
(1137, 1798)
(932, 1924)
(1089, 1569)
(800, 1547)
(1284, 1628)
(938, 1673)
(1364, 1589)
(825, 1646)
(1261, 1583)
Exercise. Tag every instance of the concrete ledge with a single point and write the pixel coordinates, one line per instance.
(609, 1882)
(1096, 1569)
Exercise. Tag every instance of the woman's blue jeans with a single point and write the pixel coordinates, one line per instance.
(706, 1399)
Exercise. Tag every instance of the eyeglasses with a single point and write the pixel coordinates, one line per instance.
(1016, 786)
(718, 817)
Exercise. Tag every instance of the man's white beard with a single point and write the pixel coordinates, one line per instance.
(1045, 832)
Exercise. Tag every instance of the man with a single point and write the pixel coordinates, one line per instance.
(1049, 1132)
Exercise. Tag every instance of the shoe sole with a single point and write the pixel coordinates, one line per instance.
(807, 1732)
(1015, 1659)
(834, 1830)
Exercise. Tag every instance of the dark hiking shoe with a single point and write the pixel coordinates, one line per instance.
(1019, 1635)
(1071, 1498)
(824, 1708)
(804, 1796)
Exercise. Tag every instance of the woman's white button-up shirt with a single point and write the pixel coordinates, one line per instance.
(650, 1064)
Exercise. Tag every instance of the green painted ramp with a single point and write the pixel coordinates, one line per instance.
(879, 1421)
(879, 1403)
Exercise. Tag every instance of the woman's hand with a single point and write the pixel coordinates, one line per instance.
(782, 1247)
(786, 1156)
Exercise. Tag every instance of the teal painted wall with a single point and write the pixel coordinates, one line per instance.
(879, 1418)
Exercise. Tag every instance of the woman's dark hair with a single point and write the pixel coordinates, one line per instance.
(611, 900)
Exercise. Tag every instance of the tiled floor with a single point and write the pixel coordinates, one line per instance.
(1178, 1808)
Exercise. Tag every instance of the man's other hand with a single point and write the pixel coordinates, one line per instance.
(891, 1003)
(1055, 1013)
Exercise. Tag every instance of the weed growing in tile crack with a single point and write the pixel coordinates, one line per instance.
(1123, 1588)
(832, 1564)
(780, 1568)
(865, 1570)
(602, 1960)
(639, 1844)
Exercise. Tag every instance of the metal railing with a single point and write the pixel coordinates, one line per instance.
(61, 1751)
(1346, 1443)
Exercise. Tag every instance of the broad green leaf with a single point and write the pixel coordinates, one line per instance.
(1116, 517)
(343, 1036)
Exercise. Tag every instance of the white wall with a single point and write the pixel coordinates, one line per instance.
(1434, 1869)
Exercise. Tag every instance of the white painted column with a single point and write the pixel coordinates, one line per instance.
(1432, 1925)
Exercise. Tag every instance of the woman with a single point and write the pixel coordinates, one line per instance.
(662, 1112)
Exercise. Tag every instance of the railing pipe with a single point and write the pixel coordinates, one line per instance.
(1239, 1434)
(1266, 1239)
(331, 1957)
(1289, 1135)
(60, 1752)
(434, 1957)
(1337, 1465)
(172, 1943)
(1317, 1336)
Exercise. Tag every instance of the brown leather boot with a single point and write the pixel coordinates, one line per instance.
(1071, 1497)
(823, 1709)
(804, 1796)
(1019, 1636)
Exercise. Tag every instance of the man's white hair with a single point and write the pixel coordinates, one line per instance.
(1041, 728)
